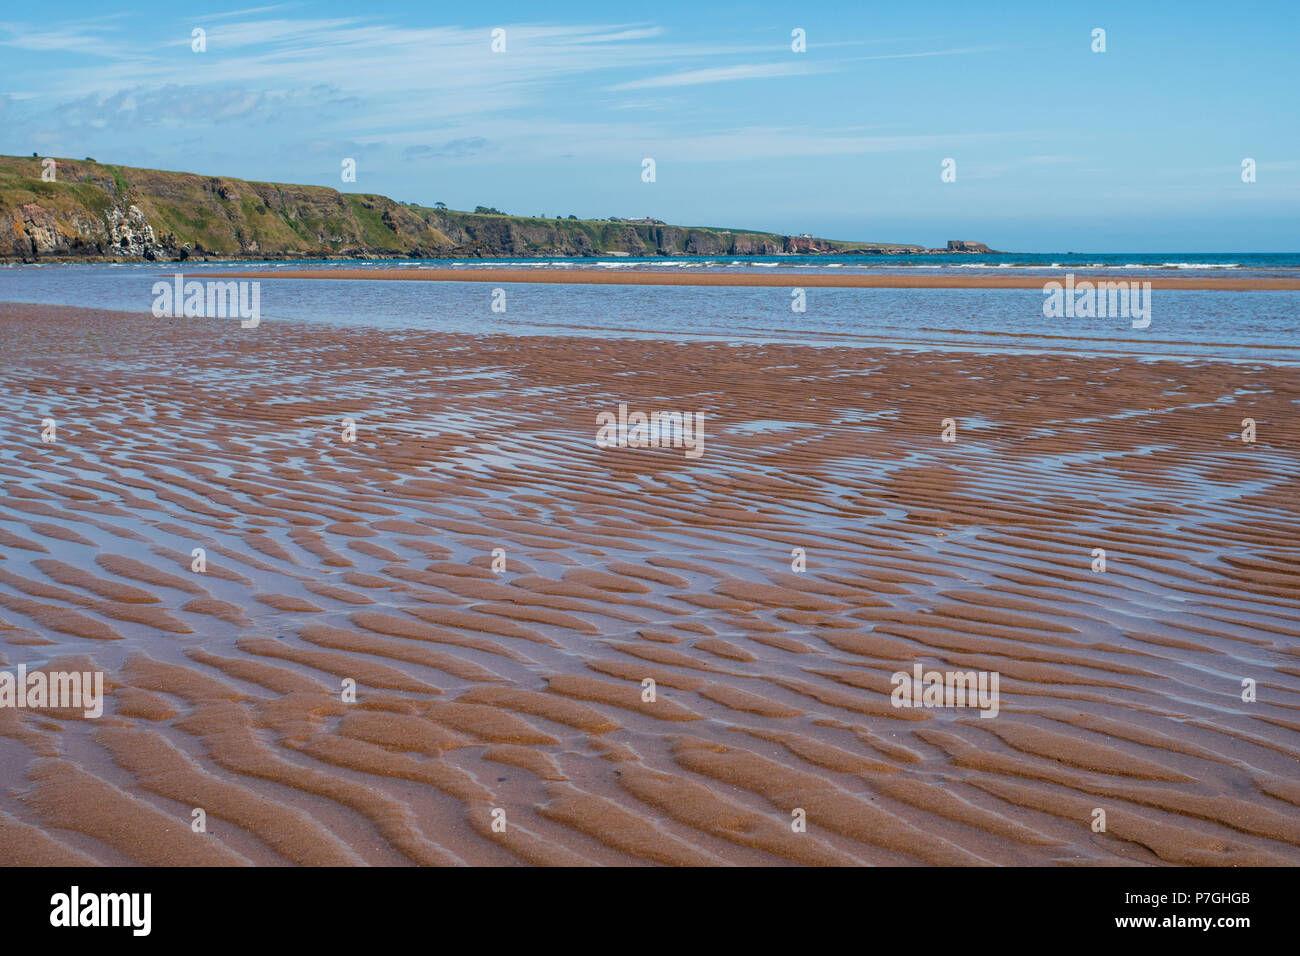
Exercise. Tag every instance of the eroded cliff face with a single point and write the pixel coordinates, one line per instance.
(32, 230)
(95, 210)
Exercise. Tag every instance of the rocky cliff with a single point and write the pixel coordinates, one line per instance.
(92, 210)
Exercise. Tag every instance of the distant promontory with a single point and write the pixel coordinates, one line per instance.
(96, 211)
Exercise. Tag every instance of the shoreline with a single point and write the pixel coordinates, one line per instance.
(1004, 343)
(595, 277)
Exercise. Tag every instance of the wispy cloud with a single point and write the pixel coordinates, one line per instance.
(758, 71)
(88, 38)
(771, 142)
(454, 149)
(415, 71)
(428, 92)
(721, 74)
(205, 16)
(960, 51)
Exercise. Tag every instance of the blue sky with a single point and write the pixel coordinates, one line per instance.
(1057, 148)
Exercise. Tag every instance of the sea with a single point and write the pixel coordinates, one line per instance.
(1240, 326)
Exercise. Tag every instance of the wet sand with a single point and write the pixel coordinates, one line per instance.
(716, 278)
(521, 691)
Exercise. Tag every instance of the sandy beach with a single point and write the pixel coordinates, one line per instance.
(517, 693)
(821, 280)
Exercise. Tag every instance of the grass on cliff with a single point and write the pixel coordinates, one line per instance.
(225, 215)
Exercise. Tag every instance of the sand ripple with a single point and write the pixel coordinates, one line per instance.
(521, 690)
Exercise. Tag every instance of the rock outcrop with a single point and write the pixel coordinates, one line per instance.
(965, 245)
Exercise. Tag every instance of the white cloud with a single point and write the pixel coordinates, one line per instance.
(721, 74)
(907, 56)
(86, 38)
(362, 80)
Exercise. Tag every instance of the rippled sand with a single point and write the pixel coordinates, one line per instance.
(521, 691)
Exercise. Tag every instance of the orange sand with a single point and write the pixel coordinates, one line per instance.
(522, 690)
